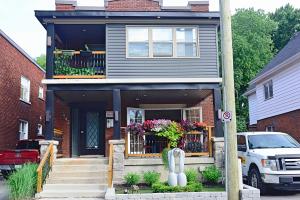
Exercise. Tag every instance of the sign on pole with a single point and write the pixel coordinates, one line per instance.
(226, 116)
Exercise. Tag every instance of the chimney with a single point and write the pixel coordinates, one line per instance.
(133, 5)
(65, 5)
(199, 6)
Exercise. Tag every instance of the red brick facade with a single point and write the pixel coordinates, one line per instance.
(132, 5)
(200, 8)
(64, 7)
(287, 123)
(13, 65)
(208, 110)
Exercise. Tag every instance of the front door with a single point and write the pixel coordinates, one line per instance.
(91, 132)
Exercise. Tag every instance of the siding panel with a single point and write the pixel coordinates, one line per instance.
(118, 66)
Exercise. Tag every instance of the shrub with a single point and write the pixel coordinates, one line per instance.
(211, 174)
(164, 157)
(22, 183)
(191, 175)
(163, 188)
(151, 177)
(132, 179)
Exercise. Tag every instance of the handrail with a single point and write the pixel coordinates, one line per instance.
(49, 154)
(110, 166)
(78, 52)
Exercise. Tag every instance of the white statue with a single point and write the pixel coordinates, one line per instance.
(175, 179)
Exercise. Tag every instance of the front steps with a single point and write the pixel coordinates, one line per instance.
(76, 178)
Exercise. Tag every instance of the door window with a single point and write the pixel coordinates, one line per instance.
(241, 143)
(92, 130)
(135, 115)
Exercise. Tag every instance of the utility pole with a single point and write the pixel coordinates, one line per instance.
(232, 178)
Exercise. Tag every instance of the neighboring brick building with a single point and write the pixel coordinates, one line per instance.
(21, 109)
(274, 94)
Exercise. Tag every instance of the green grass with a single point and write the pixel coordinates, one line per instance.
(217, 188)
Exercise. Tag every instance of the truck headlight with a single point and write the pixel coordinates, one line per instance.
(271, 164)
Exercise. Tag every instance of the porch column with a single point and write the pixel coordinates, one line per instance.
(50, 50)
(117, 113)
(49, 115)
(217, 106)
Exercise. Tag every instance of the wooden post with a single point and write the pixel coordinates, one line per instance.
(209, 141)
(126, 144)
(110, 166)
(50, 51)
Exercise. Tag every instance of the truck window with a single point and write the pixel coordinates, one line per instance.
(241, 143)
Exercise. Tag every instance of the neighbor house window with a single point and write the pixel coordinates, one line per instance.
(193, 114)
(25, 89)
(23, 130)
(268, 90)
(270, 128)
(40, 129)
(138, 42)
(41, 92)
(169, 42)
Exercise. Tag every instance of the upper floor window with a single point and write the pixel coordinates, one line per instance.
(40, 129)
(155, 42)
(270, 128)
(23, 130)
(268, 90)
(25, 89)
(41, 92)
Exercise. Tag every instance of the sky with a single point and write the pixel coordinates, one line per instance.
(17, 18)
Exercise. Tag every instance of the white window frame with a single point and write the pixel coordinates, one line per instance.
(41, 93)
(39, 129)
(193, 108)
(267, 86)
(23, 133)
(150, 40)
(25, 96)
(270, 128)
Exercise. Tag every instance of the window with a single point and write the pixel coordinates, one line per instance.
(270, 128)
(268, 89)
(162, 42)
(25, 89)
(41, 92)
(135, 115)
(241, 143)
(193, 114)
(23, 130)
(40, 129)
(186, 41)
(169, 42)
(138, 42)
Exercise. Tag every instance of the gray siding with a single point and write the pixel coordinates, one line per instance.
(118, 66)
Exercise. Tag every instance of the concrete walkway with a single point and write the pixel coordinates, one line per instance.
(3, 190)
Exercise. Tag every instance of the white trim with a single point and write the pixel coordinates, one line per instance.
(132, 81)
(26, 86)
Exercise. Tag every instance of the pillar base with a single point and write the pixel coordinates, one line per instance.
(118, 160)
(44, 145)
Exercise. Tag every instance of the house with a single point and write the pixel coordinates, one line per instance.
(128, 61)
(273, 94)
(22, 95)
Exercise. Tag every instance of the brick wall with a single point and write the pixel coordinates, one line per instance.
(132, 5)
(62, 122)
(13, 65)
(64, 7)
(200, 8)
(287, 123)
(207, 105)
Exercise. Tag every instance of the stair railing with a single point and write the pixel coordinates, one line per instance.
(110, 166)
(44, 167)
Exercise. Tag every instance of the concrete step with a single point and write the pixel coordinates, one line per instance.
(71, 194)
(82, 174)
(75, 168)
(76, 180)
(75, 187)
(81, 161)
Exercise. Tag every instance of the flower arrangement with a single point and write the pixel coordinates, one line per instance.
(199, 126)
(187, 125)
(136, 128)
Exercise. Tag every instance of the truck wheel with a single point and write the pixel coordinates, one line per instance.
(254, 180)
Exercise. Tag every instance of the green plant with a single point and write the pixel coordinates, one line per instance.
(163, 187)
(211, 174)
(22, 183)
(164, 157)
(172, 132)
(132, 178)
(191, 175)
(151, 177)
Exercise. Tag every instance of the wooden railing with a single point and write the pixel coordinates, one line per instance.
(44, 167)
(149, 145)
(110, 166)
(79, 64)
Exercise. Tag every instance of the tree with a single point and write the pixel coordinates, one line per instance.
(252, 49)
(41, 61)
(288, 19)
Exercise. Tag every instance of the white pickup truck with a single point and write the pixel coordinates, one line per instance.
(270, 159)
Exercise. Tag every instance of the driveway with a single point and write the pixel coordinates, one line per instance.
(281, 195)
(3, 191)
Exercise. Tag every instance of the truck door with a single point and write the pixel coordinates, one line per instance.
(242, 152)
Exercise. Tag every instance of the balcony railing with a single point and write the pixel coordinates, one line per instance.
(79, 64)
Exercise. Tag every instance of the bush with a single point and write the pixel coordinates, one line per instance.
(164, 157)
(22, 183)
(211, 174)
(151, 177)
(163, 188)
(191, 175)
(132, 179)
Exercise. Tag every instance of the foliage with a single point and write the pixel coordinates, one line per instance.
(163, 188)
(191, 175)
(132, 178)
(151, 177)
(22, 183)
(173, 133)
(211, 174)
(136, 128)
(41, 61)
(288, 19)
(164, 157)
(252, 49)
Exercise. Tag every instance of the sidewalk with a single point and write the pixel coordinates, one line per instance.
(3, 191)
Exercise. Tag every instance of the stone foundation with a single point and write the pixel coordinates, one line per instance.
(118, 160)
